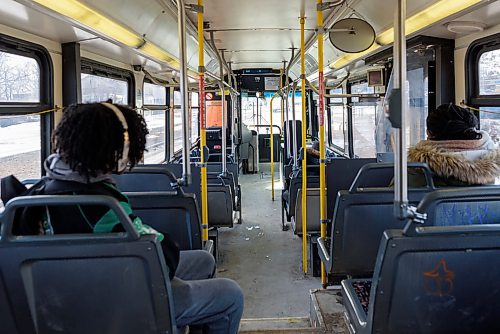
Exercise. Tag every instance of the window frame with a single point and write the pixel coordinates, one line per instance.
(474, 52)
(330, 103)
(191, 109)
(166, 109)
(41, 55)
(155, 106)
(92, 67)
(350, 117)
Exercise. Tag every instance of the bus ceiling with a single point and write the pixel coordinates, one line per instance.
(252, 34)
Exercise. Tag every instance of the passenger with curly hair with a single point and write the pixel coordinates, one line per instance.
(91, 142)
(455, 150)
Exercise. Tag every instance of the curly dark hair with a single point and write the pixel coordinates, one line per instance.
(451, 122)
(90, 138)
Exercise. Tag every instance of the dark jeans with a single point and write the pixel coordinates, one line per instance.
(217, 303)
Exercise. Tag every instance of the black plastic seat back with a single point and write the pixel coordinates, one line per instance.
(214, 167)
(313, 212)
(361, 216)
(462, 206)
(158, 177)
(93, 283)
(231, 178)
(173, 214)
(340, 174)
(443, 280)
(361, 219)
(220, 206)
(295, 185)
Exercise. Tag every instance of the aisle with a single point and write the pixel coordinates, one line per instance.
(264, 260)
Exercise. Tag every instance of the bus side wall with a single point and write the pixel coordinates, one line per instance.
(55, 52)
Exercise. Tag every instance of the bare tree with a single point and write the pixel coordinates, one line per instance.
(19, 78)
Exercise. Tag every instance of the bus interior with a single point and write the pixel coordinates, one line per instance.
(278, 135)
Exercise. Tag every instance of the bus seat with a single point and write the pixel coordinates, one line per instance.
(289, 197)
(461, 206)
(220, 206)
(174, 214)
(232, 171)
(313, 219)
(442, 279)
(158, 177)
(340, 174)
(155, 197)
(361, 216)
(92, 283)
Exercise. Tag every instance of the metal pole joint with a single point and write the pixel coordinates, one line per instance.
(194, 8)
(328, 5)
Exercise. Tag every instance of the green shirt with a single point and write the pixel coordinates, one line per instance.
(108, 222)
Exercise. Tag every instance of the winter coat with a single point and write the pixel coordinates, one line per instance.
(457, 162)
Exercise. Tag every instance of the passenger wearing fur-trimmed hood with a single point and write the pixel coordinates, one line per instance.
(457, 153)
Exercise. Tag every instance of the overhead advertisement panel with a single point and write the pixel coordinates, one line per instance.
(272, 83)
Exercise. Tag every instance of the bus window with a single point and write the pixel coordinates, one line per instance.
(489, 84)
(20, 134)
(177, 122)
(154, 95)
(483, 86)
(490, 122)
(20, 142)
(154, 112)
(489, 73)
(195, 114)
(249, 110)
(363, 115)
(98, 89)
(338, 126)
(20, 146)
(20, 79)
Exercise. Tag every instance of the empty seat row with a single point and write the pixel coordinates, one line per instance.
(360, 217)
(437, 275)
(340, 174)
(221, 200)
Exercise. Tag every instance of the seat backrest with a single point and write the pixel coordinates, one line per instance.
(360, 219)
(158, 177)
(295, 185)
(146, 178)
(220, 206)
(175, 215)
(440, 280)
(361, 216)
(462, 206)
(339, 176)
(92, 283)
(313, 219)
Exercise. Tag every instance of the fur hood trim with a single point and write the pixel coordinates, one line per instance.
(449, 164)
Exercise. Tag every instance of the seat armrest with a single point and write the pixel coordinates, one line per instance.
(356, 316)
(208, 245)
(324, 254)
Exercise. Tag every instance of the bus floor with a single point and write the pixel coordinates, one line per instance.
(264, 260)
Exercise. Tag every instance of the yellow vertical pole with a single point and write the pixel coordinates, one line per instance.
(272, 145)
(304, 129)
(203, 138)
(321, 116)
